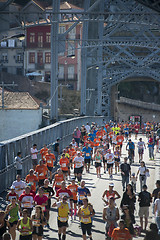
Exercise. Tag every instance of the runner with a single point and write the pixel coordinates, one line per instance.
(141, 146)
(98, 162)
(12, 210)
(78, 162)
(41, 199)
(26, 200)
(125, 173)
(110, 193)
(50, 159)
(130, 147)
(86, 212)
(136, 129)
(12, 194)
(43, 153)
(48, 191)
(73, 201)
(31, 178)
(19, 185)
(83, 192)
(126, 132)
(41, 169)
(58, 178)
(120, 140)
(104, 152)
(63, 212)
(24, 226)
(56, 151)
(38, 222)
(87, 156)
(151, 147)
(117, 155)
(64, 164)
(63, 191)
(110, 162)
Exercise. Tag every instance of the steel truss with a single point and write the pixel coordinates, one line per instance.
(129, 50)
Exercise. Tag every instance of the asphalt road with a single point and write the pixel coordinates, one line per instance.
(97, 187)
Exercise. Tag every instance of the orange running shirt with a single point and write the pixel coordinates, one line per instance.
(121, 234)
(42, 171)
(58, 180)
(119, 140)
(43, 152)
(64, 162)
(32, 181)
(73, 189)
(49, 159)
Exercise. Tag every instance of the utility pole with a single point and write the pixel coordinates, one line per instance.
(3, 85)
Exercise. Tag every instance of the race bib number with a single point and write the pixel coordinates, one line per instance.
(87, 154)
(81, 197)
(41, 174)
(85, 220)
(36, 222)
(47, 194)
(49, 161)
(63, 219)
(43, 208)
(27, 205)
(58, 183)
(63, 165)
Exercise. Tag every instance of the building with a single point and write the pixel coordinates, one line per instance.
(38, 55)
(19, 115)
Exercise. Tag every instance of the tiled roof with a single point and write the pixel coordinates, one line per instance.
(18, 100)
(67, 6)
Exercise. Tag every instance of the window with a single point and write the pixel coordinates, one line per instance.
(32, 38)
(40, 58)
(48, 37)
(71, 72)
(40, 39)
(62, 29)
(47, 57)
(47, 76)
(31, 57)
(4, 57)
(19, 57)
(11, 43)
(61, 71)
(19, 71)
(72, 33)
(71, 48)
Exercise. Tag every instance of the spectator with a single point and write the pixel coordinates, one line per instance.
(125, 172)
(152, 234)
(157, 212)
(129, 198)
(34, 157)
(144, 203)
(6, 236)
(121, 232)
(3, 224)
(56, 151)
(129, 219)
(110, 216)
(18, 163)
(87, 127)
(77, 135)
(142, 174)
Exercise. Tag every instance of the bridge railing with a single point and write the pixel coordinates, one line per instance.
(47, 135)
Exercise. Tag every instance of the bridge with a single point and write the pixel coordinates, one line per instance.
(47, 135)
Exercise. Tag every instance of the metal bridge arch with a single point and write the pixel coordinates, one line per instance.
(112, 80)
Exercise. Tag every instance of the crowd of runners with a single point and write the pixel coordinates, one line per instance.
(29, 200)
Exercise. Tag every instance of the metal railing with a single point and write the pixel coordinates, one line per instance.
(47, 135)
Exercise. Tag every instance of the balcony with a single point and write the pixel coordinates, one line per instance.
(39, 66)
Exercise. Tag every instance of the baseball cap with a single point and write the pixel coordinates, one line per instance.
(12, 187)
